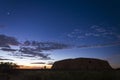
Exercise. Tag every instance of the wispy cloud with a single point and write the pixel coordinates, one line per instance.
(30, 52)
(4, 59)
(94, 30)
(36, 48)
(38, 63)
(8, 49)
(33, 49)
(5, 41)
(48, 63)
(46, 45)
(99, 35)
(100, 45)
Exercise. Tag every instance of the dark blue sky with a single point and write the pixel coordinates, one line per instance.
(92, 27)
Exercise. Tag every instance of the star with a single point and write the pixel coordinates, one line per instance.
(8, 13)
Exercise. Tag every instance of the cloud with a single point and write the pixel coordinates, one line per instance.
(94, 26)
(50, 63)
(4, 59)
(104, 30)
(5, 41)
(38, 63)
(46, 45)
(30, 52)
(8, 49)
(97, 28)
(29, 48)
(4, 45)
(100, 45)
(36, 49)
(95, 31)
(101, 30)
(95, 35)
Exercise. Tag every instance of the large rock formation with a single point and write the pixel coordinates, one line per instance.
(81, 64)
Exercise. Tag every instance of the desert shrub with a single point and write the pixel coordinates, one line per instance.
(8, 68)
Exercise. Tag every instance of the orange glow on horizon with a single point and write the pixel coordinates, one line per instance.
(35, 67)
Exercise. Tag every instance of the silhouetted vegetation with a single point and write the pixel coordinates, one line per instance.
(8, 68)
(65, 75)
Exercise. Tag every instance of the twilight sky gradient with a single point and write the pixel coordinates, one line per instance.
(39, 32)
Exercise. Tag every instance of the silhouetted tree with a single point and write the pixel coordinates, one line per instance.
(44, 67)
(8, 67)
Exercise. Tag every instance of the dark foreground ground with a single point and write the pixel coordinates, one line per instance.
(61, 75)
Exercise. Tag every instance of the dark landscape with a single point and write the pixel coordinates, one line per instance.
(92, 72)
(63, 75)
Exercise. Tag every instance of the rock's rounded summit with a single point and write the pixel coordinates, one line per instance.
(81, 64)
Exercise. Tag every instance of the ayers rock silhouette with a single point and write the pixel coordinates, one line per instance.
(81, 64)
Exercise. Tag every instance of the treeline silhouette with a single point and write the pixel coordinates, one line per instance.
(8, 69)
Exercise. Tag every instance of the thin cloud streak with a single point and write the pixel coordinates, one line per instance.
(100, 45)
(95, 31)
(8, 49)
(38, 63)
(4, 59)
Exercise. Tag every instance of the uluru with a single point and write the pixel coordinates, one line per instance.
(82, 64)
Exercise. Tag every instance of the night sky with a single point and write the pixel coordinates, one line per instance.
(39, 32)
